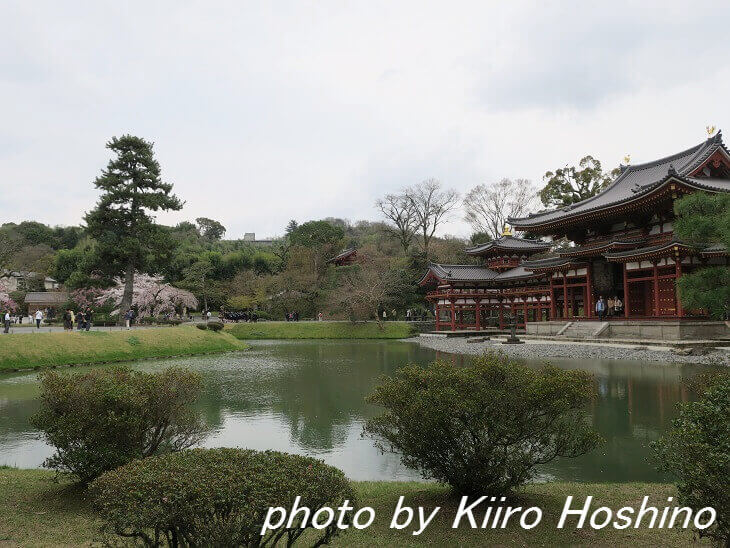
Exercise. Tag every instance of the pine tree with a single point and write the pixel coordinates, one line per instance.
(128, 239)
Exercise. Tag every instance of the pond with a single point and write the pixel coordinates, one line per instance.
(307, 397)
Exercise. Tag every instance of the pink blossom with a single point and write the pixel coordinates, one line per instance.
(150, 296)
(6, 302)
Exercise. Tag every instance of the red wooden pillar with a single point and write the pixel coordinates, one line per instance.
(477, 312)
(626, 292)
(438, 314)
(565, 296)
(524, 306)
(588, 301)
(501, 314)
(677, 275)
(453, 316)
(655, 275)
(553, 311)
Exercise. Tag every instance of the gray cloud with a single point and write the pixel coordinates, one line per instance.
(264, 112)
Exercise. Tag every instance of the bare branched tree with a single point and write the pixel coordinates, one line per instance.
(431, 206)
(488, 206)
(399, 210)
(371, 284)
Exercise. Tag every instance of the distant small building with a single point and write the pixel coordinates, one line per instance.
(250, 238)
(45, 300)
(344, 258)
(23, 280)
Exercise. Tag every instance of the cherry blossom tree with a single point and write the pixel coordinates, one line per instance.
(85, 297)
(150, 296)
(6, 301)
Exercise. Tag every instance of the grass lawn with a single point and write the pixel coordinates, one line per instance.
(320, 330)
(36, 511)
(19, 351)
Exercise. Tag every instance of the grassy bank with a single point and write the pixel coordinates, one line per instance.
(36, 511)
(19, 351)
(320, 330)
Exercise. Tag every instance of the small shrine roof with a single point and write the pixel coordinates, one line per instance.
(343, 255)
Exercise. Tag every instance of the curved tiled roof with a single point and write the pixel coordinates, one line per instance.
(637, 180)
(516, 273)
(509, 244)
(607, 245)
(460, 273)
(551, 262)
(713, 249)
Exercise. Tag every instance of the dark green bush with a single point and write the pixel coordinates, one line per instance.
(697, 452)
(216, 497)
(483, 428)
(215, 326)
(201, 326)
(107, 417)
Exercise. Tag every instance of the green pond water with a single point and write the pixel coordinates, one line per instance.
(307, 397)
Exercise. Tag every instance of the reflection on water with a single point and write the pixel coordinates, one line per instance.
(308, 397)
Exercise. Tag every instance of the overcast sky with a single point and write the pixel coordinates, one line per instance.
(267, 111)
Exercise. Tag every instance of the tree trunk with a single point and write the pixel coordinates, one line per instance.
(126, 303)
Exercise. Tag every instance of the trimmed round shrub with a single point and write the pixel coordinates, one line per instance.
(201, 326)
(100, 420)
(215, 325)
(218, 497)
(485, 427)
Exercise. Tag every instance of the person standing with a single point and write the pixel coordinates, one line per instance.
(6, 321)
(128, 318)
(610, 306)
(601, 308)
(385, 315)
(319, 317)
(38, 318)
(89, 317)
(619, 305)
(207, 316)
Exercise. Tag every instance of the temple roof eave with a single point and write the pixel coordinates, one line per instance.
(634, 184)
(509, 244)
(668, 248)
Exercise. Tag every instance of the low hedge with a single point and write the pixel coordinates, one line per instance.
(215, 325)
(217, 497)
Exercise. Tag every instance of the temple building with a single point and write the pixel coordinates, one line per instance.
(618, 244)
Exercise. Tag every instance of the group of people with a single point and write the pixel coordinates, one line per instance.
(39, 316)
(82, 319)
(236, 316)
(607, 308)
(291, 316)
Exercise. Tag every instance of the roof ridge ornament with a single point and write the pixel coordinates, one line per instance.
(671, 170)
(710, 131)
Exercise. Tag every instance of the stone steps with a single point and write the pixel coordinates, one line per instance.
(582, 330)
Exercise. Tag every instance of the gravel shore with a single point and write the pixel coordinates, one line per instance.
(596, 351)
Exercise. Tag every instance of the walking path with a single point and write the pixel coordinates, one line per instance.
(538, 349)
(15, 329)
